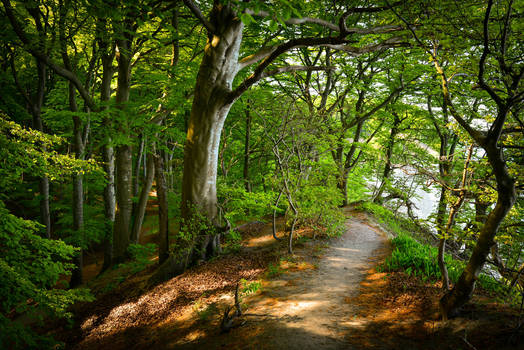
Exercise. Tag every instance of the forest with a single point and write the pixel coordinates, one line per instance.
(271, 174)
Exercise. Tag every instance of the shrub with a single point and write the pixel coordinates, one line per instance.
(30, 268)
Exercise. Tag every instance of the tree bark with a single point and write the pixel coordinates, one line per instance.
(209, 111)
(138, 166)
(36, 111)
(78, 191)
(442, 242)
(389, 154)
(140, 208)
(452, 301)
(163, 218)
(123, 157)
(247, 149)
(107, 56)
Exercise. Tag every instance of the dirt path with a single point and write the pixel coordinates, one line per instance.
(310, 308)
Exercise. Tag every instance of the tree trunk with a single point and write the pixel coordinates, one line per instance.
(275, 215)
(121, 233)
(124, 161)
(389, 154)
(138, 166)
(163, 218)
(36, 111)
(78, 227)
(140, 208)
(442, 243)
(247, 149)
(78, 191)
(452, 301)
(209, 111)
(349, 163)
(107, 56)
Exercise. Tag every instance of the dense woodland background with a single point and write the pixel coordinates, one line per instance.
(232, 111)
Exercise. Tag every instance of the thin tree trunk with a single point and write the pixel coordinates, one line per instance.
(453, 211)
(247, 149)
(107, 56)
(78, 191)
(349, 163)
(138, 166)
(389, 154)
(275, 215)
(442, 243)
(45, 212)
(123, 157)
(163, 219)
(140, 208)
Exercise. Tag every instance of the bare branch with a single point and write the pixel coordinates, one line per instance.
(198, 14)
(331, 41)
(44, 58)
(357, 51)
(330, 25)
(254, 58)
(482, 62)
(297, 21)
(287, 69)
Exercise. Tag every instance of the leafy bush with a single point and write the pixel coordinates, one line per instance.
(30, 268)
(249, 287)
(241, 205)
(419, 259)
(140, 257)
(232, 241)
(318, 209)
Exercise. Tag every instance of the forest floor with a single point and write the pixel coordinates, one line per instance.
(327, 295)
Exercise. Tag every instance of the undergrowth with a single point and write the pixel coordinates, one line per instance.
(420, 260)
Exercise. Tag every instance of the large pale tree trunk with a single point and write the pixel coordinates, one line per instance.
(209, 111)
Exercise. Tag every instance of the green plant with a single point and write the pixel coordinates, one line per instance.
(249, 287)
(274, 270)
(30, 268)
(319, 209)
(141, 257)
(204, 311)
(232, 241)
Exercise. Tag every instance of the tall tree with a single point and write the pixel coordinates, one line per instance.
(214, 92)
(498, 64)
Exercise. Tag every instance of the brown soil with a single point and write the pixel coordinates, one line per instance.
(325, 296)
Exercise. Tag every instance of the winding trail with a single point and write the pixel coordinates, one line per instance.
(312, 309)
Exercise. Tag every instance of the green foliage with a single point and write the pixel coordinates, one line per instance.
(27, 151)
(30, 269)
(249, 287)
(274, 270)
(241, 205)
(419, 259)
(396, 223)
(141, 257)
(232, 242)
(318, 209)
